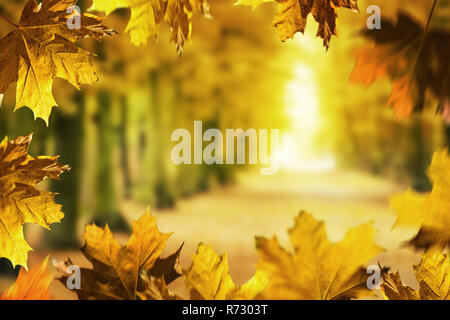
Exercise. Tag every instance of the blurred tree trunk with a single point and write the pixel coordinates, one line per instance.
(142, 149)
(69, 135)
(107, 211)
(419, 161)
(161, 111)
(125, 150)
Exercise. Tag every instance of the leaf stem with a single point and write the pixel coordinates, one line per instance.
(8, 20)
(431, 15)
(424, 38)
(427, 28)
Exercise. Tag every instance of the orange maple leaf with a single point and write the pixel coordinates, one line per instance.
(31, 285)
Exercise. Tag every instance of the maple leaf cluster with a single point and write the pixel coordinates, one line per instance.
(292, 16)
(148, 15)
(42, 48)
(316, 269)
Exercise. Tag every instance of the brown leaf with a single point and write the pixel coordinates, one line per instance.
(155, 289)
(168, 268)
(118, 269)
(432, 273)
(147, 16)
(413, 58)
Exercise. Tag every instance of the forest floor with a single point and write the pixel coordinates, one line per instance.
(228, 218)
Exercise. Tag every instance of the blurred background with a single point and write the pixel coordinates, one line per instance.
(342, 151)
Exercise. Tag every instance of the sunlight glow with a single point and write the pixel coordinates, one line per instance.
(298, 147)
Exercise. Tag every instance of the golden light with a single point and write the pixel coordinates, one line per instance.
(298, 148)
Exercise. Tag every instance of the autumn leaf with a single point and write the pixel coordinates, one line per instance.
(31, 285)
(208, 278)
(393, 288)
(20, 201)
(148, 15)
(432, 273)
(124, 272)
(317, 269)
(428, 212)
(155, 289)
(413, 57)
(292, 16)
(43, 48)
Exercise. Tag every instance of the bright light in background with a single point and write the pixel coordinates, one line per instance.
(302, 100)
(298, 150)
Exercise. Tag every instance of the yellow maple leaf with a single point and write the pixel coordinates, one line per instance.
(42, 48)
(432, 273)
(122, 272)
(317, 269)
(147, 16)
(20, 201)
(31, 285)
(208, 278)
(292, 16)
(428, 212)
